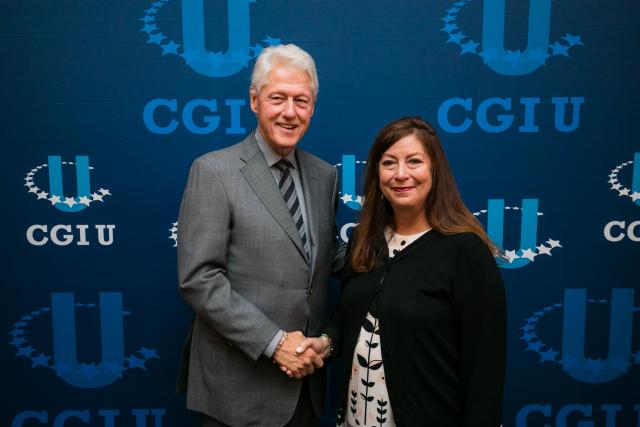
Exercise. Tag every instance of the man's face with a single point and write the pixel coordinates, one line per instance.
(284, 107)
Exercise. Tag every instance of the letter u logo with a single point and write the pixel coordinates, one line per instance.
(216, 64)
(528, 228)
(64, 341)
(349, 181)
(515, 63)
(82, 182)
(573, 337)
(635, 184)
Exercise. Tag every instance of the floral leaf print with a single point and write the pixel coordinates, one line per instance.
(366, 384)
(368, 326)
(362, 361)
(367, 398)
(382, 411)
(375, 365)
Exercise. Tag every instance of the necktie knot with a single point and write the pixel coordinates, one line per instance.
(283, 164)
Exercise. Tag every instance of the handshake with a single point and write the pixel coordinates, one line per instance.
(299, 356)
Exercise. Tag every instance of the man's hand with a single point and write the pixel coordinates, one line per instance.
(294, 364)
(321, 346)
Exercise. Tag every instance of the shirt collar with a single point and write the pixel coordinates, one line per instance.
(270, 155)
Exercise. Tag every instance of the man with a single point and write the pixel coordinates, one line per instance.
(255, 248)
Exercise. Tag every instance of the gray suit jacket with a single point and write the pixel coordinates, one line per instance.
(243, 271)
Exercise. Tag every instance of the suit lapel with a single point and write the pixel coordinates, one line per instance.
(260, 179)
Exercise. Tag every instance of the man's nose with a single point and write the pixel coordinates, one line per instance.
(289, 108)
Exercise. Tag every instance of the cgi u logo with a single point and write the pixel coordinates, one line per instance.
(82, 182)
(349, 194)
(64, 341)
(216, 64)
(534, 56)
(614, 180)
(528, 229)
(635, 183)
(620, 335)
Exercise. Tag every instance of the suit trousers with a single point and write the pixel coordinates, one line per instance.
(304, 415)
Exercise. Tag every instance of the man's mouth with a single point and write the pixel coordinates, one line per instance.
(288, 126)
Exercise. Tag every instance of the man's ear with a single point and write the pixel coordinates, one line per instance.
(253, 99)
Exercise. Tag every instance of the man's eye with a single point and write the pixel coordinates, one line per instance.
(276, 98)
(303, 102)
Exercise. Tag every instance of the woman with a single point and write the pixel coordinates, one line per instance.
(422, 312)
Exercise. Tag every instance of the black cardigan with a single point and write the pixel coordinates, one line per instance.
(442, 316)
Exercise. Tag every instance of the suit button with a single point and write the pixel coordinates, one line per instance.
(310, 291)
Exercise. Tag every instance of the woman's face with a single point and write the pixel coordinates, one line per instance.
(405, 175)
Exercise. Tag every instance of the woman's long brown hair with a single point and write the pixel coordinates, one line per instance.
(444, 208)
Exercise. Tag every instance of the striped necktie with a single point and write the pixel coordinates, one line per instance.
(290, 195)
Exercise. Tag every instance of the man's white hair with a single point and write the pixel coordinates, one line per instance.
(287, 55)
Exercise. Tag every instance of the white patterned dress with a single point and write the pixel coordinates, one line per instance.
(368, 400)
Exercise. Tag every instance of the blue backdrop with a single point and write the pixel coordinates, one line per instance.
(105, 104)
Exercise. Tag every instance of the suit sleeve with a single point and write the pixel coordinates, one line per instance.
(203, 237)
(480, 300)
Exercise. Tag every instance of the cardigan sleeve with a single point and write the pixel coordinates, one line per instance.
(481, 313)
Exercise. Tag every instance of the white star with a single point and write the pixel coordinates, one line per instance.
(85, 200)
(623, 192)
(554, 243)
(359, 200)
(346, 198)
(613, 181)
(635, 196)
(616, 187)
(96, 196)
(529, 254)
(543, 250)
(42, 195)
(511, 255)
(69, 201)
(483, 211)
(33, 189)
(104, 192)
(54, 199)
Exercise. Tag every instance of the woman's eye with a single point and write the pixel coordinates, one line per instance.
(388, 163)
